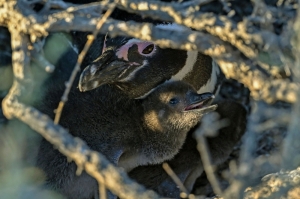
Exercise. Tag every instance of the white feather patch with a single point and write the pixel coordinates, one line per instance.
(210, 85)
(188, 67)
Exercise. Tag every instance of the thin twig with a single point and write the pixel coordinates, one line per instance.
(81, 56)
(43, 62)
(207, 165)
(102, 190)
(203, 148)
(175, 178)
(232, 62)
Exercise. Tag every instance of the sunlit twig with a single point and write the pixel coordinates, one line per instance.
(204, 151)
(175, 178)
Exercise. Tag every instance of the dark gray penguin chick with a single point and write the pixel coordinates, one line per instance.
(128, 132)
(187, 163)
(168, 114)
(137, 67)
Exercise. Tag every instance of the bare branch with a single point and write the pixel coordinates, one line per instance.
(41, 61)
(204, 151)
(260, 85)
(284, 184)
(175, 178)
(232, 61)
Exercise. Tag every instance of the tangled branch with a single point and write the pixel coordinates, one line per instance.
(236, 46)
(229, 43)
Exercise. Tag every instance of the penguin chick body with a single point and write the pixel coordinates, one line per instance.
(128, 132)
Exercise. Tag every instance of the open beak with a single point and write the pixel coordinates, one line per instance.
(201, 103)
(105, 70)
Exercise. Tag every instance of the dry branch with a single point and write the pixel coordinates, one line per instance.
(232, 61)
(202, 146)
(284, 184)
(175, 178)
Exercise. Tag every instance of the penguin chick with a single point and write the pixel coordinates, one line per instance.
(168, 114)
(128, 132)
(187, 163)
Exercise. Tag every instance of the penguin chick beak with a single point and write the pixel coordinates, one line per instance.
(107, 69)
(200, 103)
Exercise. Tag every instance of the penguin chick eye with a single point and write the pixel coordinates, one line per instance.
(173, 101)
(148, 49)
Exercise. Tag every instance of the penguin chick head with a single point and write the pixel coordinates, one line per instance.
(170, 111)
(176, 105)
(135, 66)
